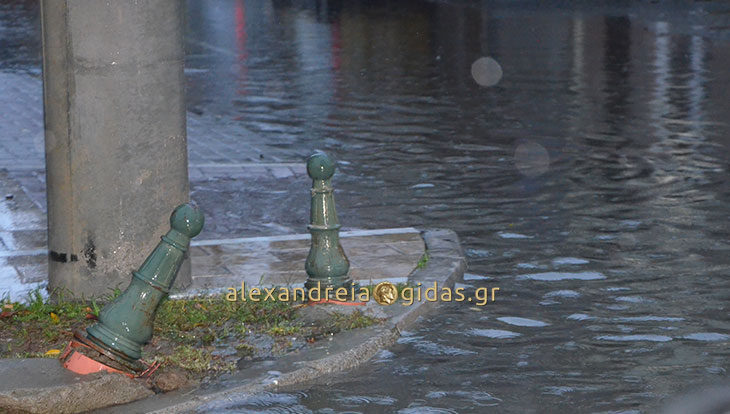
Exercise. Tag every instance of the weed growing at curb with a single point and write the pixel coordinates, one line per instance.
(188, 333)
(423, 261)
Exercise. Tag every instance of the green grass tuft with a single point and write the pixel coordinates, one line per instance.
(423, 261)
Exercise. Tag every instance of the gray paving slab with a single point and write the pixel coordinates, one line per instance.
(281, 262)
(210, 140)
(42, 385)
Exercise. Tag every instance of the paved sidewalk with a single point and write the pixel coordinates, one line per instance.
(211, 140)
(217, 263)
(375, 256)
(219, 152)
(216, 148)
(23, 250)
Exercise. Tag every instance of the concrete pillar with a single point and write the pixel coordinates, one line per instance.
(116, 144)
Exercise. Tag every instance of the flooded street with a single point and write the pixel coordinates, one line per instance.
(589, 183)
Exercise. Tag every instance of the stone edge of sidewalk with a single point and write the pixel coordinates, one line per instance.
(74, 393)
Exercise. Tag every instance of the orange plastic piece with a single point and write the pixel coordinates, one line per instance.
(81, 364)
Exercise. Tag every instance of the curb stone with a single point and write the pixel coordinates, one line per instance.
(87, 392)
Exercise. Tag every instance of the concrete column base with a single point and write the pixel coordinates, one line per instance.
(116, 144)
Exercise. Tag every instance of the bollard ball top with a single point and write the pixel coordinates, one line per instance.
(320, 166)
(187, 219)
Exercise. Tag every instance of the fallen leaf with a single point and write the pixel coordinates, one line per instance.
(6, 314)
(92, 316)
(51, 352)
(8, 306)
(55, 318)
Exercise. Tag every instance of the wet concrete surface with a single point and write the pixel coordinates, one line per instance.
(218, 263)
(42, 385)
(388, 256)
(590, 183)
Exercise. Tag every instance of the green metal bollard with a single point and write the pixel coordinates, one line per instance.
(326, 264)
(125, 324)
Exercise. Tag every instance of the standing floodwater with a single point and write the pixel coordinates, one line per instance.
(581, 153)
(588, 180)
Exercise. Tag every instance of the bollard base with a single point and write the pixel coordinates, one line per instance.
(100, 336)
(93, 343)
(75, 359)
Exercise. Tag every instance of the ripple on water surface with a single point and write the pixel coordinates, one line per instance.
(493, 333)
(648, 318)
(471, 276)
(432, 348)
(283, 403)
(355, 400)
(424, 409)
(507, 235)
(512, 320)
(634, 338)
(569, 261)
(580, 317)
(557, 276)
(707, 336)
(562, 294)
